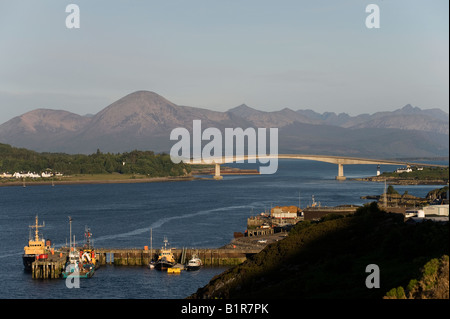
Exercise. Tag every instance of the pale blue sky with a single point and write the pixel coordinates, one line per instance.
(219, 54)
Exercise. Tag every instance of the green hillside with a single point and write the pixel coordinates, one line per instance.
(328, 259)
(136, 162)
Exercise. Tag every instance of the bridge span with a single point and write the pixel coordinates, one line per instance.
(339, 160)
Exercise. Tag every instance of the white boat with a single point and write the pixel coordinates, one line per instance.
(194, 263)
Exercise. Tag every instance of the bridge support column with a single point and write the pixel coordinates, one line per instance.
(217, 175)
(341, 176)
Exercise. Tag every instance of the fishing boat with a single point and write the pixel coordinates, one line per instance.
(79, 263)
(194, 263)
(76, 268)
(87, 254)
(165, 259)
(36, 247)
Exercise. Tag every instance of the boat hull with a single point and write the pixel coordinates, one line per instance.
(163, 265)
(28, 261)
(87, 271)
(192, 268)
(88, 274)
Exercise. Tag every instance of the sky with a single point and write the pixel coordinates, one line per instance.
(213, 54)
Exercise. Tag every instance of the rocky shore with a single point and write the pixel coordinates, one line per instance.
(401, 181)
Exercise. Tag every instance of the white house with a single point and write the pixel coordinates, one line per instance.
(404, 170)
(20, 175)
(284, 212)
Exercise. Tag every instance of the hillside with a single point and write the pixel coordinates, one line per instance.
(145, 163)
(432, 284)
(144, 120)
(327, 259)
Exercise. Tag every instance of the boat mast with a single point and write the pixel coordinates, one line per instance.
(70, 229)
(36, 232)
(151, 244)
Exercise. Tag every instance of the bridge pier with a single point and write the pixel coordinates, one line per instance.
(340, 176)
(217, 175)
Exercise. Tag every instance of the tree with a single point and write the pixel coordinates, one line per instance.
(391, 190)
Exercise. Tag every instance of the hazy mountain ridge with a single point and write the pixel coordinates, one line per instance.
(144, 120)
(406, 118)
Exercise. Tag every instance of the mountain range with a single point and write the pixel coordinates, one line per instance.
(143, 120)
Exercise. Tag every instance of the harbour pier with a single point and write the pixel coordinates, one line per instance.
(53, 266)
(142, 257)
(50, 267)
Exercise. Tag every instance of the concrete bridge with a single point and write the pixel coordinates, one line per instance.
(339, 160)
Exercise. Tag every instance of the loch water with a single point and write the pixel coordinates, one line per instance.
(198, 213)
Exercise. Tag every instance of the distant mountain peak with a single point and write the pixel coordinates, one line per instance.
(243, 106)
(408, 108)
(244, 110)
(148, 96)
(144, 119)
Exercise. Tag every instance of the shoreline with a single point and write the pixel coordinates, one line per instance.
(101, 181)
(397, 181)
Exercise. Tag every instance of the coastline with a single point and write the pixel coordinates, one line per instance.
(399, 181)
(101, 181)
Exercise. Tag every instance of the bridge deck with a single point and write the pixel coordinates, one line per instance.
(321, 158)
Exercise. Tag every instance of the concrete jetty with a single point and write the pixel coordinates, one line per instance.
(53, 266)
(142, 257)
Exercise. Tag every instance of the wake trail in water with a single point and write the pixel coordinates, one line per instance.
(154, 225)
(164, 220)
(11, 254)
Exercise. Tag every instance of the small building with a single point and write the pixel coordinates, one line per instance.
(284, 212)
(404, 170)
(436, 210)
(259, 232)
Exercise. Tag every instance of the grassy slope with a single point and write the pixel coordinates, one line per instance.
(328, 259)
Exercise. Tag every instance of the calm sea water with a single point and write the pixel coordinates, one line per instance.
(201, 213)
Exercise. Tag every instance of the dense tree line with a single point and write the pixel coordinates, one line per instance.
(135, 162)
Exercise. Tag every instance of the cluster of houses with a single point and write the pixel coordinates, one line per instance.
(407, 169)
(29, 175)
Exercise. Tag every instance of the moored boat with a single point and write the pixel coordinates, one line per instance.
(165, 259)
(194, 263)
(36, 247)
(81, 263)
(78, 269)
(87, 254)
